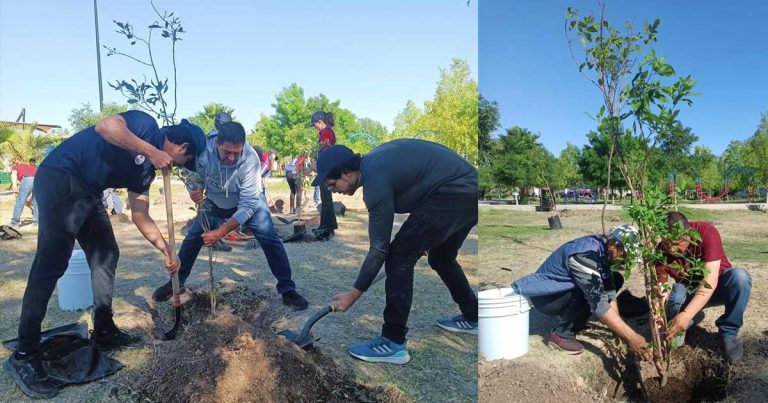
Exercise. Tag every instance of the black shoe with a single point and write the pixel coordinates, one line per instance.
(115, 338)
(221, 246)
(28, 372)
(323, 234)
(294, 300)
(165, 292)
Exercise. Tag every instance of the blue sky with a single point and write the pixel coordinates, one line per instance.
(372, 55)
(525, 64)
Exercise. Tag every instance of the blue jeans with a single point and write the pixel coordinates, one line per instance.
(263, 230)
(25, 188)
(316, 195)
(733, 289)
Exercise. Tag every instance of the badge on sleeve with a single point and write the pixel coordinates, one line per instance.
(139, 159)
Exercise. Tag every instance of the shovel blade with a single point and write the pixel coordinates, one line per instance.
(303, 342)
(171, 334)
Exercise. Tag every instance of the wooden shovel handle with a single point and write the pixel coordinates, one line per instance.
(171, 233)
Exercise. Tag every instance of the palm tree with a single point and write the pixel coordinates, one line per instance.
(204, 118)
(21, 145)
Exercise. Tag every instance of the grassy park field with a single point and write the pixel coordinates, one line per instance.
(235, 355)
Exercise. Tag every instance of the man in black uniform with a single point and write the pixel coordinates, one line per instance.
(120, 151)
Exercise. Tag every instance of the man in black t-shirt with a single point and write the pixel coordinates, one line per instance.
(120, 151)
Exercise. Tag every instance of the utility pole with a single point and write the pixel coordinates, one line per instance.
(98, 55)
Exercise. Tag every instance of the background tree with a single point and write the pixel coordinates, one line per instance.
(487, 122)
(453, 112)
(734, 157)
(205, 117)
(569, 174)
(84, 117)
(289, 131)
(704, 167)
(362, 144)
(756, 153)
(23, 144)
(407, 120)
(522, 161)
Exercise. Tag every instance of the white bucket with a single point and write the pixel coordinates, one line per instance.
(503, 324)
(74, 286)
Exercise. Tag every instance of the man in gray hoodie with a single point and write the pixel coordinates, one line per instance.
(233, 197)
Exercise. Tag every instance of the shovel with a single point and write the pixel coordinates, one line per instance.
(171, 334)
(304, 339)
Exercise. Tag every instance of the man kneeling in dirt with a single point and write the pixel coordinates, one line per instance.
(729, 286)
(120, 151)
(439, 190)
(576, 282)
(233, 197)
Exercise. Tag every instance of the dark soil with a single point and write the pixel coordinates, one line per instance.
(235, 356)
(695, 375)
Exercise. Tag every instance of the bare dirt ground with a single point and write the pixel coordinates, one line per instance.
(514, 243)
(236, 355)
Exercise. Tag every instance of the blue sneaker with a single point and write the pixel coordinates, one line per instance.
(458, 324)
(381, 349)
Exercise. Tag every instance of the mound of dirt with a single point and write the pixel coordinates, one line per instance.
(520, 381)
(235, 356)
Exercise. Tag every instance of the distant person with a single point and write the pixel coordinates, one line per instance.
(120, 151)
(729, 286)
(218, 120)
(576, 281)
(292, 172)
(112, 202)
(22, 181)
(232, 198)
(439, 190)
(323, 123)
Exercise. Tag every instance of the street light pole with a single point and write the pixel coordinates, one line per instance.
(98, 55)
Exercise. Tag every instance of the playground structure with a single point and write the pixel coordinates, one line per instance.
(701, 194)
(363, 136)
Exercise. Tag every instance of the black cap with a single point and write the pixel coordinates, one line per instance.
(196, 141)
(330, 159)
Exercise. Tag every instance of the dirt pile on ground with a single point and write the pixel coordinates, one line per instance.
(523, 382)
(235, 356)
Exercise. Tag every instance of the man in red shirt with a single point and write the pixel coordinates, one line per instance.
(729, 286)
(22, 178)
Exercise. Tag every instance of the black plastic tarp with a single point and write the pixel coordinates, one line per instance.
(70, 357)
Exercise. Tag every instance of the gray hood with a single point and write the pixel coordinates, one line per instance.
(229, 186)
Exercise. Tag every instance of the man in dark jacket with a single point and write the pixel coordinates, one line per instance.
(576, 282)
(120, 151)
(439, 190)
